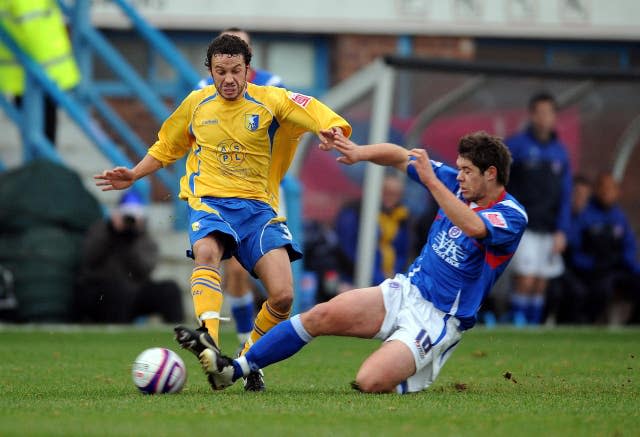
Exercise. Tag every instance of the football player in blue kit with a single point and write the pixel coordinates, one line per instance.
(420, 316)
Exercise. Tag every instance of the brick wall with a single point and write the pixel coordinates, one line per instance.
(146, 127)
(352, 52)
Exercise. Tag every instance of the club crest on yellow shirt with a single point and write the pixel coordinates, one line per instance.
(251, 121)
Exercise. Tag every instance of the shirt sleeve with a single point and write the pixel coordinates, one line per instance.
(174, 137)
(563, 222)
(309, 113)
(505, 223)
(447, 175)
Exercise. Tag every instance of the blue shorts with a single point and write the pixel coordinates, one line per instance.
(251, 228)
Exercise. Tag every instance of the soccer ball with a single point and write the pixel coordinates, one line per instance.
(159, 370)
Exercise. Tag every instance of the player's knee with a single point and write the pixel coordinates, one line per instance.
(281, 300)
(207, 254)
(368, 382)
(318, 320)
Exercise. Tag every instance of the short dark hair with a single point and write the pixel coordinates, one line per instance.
(484, 151)
(542, 97)
(581, 179)
(227, 45)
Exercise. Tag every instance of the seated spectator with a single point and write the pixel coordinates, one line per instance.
(566, 295)
(603, 256)
(393, 235)
(114, 284)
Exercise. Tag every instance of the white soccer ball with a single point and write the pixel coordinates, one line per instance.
(159, 370)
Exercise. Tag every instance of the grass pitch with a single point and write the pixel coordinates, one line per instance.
(498, 382)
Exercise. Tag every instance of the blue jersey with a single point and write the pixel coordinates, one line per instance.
(455, 272)
(256, 77)
(541, 180)
(602, 240)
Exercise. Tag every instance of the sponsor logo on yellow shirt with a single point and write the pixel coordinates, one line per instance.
(230, 153)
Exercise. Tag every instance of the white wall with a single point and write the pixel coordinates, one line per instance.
(597, 19)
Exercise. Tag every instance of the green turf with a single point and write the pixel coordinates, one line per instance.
(564, 382)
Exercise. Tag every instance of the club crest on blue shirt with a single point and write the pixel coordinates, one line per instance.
(454, 232)
(251, 121)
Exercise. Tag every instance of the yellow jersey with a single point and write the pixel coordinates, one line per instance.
(240, 148)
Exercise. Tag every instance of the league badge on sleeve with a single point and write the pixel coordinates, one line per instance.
(300, 99)
(496, 219)
(251, 121)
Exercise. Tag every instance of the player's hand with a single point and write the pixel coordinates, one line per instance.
(559, 242)
(422, 164)
(328, 137)
(118, 178)
(351, 152)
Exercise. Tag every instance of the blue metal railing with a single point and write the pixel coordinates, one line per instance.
(87, 41)
(29, 117)
(187, 75)
(86, 35)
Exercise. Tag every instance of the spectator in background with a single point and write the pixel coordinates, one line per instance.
(115, 284)
(580, 195)
(603, 255)
(38, 28)
(393, 234)
(541, 181)
(566, 297)
(238, 284)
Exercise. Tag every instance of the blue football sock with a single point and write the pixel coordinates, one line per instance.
(519, 306)
(535, 310)
(281, 342)
(242, 309)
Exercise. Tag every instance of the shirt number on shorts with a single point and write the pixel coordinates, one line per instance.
(287, 234)
(423, 344)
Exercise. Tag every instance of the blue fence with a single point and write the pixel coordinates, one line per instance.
(89, 42)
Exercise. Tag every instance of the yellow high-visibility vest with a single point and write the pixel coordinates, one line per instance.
(11, 73)
(38, 27)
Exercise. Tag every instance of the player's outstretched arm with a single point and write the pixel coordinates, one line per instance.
(381, 153)
(457, 211)
(121, 178)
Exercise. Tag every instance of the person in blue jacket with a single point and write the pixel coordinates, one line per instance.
(603, 255)
(541, 180)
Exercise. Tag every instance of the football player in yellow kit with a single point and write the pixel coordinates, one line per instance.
(240, 139)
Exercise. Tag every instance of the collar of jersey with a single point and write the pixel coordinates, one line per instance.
(499, 199)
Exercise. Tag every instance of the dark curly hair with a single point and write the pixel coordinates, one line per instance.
(484, 151)
(227, 45)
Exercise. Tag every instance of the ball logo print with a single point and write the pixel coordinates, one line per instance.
(158, 370)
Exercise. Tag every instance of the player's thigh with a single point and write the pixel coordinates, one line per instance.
(386, 368)
(274, 270)
(211, 232)
(236, 278)
(264, 236)
(355, 313)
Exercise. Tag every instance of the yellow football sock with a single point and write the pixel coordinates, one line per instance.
(207, 298)
(266, 319)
